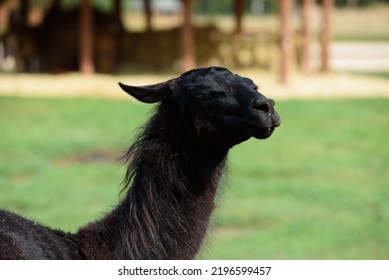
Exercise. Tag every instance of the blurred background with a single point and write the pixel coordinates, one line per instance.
(317, 189)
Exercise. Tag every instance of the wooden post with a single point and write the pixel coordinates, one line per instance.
(4, 12)
(326, 35)
(148, 14)
(286, 40)
(117, 10)
(239, 6)
(86, 37)
(188, 61)
(307, 6)
(24, 9)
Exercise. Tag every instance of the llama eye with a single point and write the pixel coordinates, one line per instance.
(216, 94)
(211, 95)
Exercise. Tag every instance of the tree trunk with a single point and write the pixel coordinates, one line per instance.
(4, 7)
(239, 6)
(86, 37)
(307, 6)
(187, 38)
(148, 14)
(286, 39)
(117, 10)
(326, 35)
(24, 9)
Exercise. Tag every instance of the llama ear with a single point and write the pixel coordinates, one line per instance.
(151, 93)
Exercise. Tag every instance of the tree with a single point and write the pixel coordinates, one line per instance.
(187, 38)
(286, 39)
(86, 38)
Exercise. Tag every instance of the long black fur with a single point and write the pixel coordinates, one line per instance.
(173, 171)
(167, 209)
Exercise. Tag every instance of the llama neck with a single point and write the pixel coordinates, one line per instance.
(167, 209)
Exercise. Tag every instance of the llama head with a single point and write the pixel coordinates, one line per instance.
(219, 109)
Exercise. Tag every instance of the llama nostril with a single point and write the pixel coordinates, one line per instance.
(265, 105)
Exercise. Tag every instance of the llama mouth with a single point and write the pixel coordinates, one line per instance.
(261, 132)
(264, 126)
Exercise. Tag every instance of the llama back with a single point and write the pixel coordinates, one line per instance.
(24, 239)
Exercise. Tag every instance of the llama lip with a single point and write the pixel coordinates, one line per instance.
(261, 131)
(265, 121)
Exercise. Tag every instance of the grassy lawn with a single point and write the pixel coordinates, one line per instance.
(317, 189)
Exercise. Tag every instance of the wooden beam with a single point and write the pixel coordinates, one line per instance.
(326, 35)
(86, 38)
(285, 40)
(306, 12)
(188, 60)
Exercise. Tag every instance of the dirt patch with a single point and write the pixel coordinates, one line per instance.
(92, 157)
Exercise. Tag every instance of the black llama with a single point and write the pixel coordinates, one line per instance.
(172, 177)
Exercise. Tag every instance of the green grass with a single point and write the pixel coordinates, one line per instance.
(317, 189)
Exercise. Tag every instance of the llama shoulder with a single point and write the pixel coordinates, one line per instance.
(26, 239)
